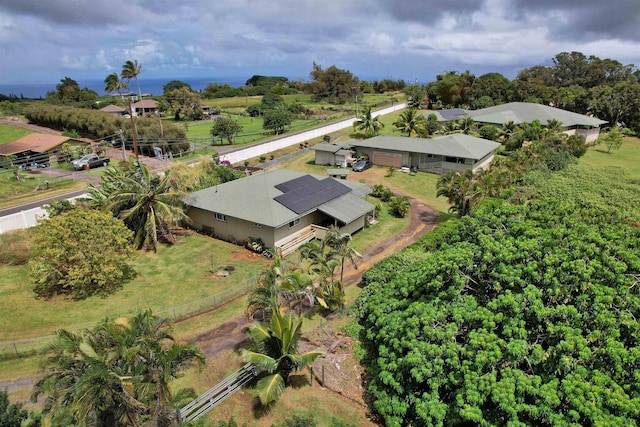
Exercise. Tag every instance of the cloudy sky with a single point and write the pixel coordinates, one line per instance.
(45, 40)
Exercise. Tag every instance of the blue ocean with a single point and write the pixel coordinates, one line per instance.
(151, 86)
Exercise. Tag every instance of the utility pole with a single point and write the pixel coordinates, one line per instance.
(133, 128)
(124, 152)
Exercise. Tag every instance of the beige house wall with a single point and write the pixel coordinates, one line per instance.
(356, 225)
(239, 229)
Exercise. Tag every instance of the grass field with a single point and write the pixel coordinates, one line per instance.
(9, 133)
(173, 276)
(627, 157)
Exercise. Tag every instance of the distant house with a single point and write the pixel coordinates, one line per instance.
(437, 155)
(283, 208)
(333, 154)
(144, 107)
(38, 147)
(527, 112)
(114, 110)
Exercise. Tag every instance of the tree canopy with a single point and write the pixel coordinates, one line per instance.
(116, 374)
(524, 314)
(68, 91)
(333, 85)
(80, 253)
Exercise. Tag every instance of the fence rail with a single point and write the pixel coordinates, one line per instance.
(28, 347)
(217, 394)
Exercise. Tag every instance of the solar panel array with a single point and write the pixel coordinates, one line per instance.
(306, 192)
(453, 113)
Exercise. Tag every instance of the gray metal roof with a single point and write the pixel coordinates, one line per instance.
(252, 198)
(520, 112)
(454, 145)
(331, 148)
(346, 209)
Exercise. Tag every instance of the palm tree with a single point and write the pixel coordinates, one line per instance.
(276, 353)
(339, 243)
(507, 130)
(148, 204)
(400, 206)
(131, 70)
(368, 124)
(297, 287)
(465, 125)
(461, 189)
(267, 295)
(115, 374)
(409, 121)
(113, 83)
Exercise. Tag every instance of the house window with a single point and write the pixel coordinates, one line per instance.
(294, 223)
(219, 217)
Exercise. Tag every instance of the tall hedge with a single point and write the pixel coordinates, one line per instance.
(97, 124)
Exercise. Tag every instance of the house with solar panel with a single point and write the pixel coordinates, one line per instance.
(283, 208)
(526, 112)
(439, 155)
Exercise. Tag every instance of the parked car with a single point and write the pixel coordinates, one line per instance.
(361, 165)
(89, 161)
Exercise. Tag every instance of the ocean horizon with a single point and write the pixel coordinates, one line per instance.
(151, 86)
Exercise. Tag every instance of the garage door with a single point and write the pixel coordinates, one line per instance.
(387, 159)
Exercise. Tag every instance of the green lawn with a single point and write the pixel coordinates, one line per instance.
(173, 276)
(9, 133)
(627, 157)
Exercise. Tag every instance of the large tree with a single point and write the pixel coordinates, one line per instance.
(80, 253)
(183, 103)
(148, 204)
(333, 85)
(115, 374)
(68, 92)
(276, 119)
(277, 353)
(225, 128)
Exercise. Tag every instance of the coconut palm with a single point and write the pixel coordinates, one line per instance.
(461, 190)
(465, 125)
(148, 204)
(409, 121)
(115, 374)
(276, 353)
(340, 245)
(131, 70)
(507, 130)
(368, 124)
(113, 83)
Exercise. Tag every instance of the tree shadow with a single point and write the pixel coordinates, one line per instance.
(600, 150)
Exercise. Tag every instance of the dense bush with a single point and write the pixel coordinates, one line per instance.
(521, 315)
(97, 124)
(80, 253)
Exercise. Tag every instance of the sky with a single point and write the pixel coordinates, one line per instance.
(43, 41)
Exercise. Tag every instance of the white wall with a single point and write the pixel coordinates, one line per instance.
(286, 141)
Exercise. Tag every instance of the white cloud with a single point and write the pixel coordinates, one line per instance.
(243, 37)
